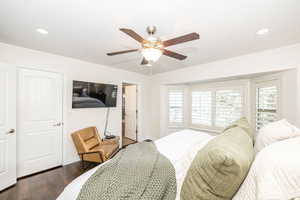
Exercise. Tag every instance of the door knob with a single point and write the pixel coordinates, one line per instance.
(11, 131)
(58, 124)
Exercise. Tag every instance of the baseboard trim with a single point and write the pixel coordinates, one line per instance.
(26, 176)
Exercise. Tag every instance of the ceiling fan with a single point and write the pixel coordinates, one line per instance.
(153, 47)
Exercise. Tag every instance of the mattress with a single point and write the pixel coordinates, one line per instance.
(180, 148)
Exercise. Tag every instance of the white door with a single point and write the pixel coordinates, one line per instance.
(7, 126)
(39, 121)
(130, 112)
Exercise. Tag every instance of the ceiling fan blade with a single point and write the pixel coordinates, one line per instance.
(132, 34)
(121, 52)
(174, 54)
(144, 61)
(181, 39)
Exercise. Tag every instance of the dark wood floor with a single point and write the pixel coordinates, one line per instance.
(44, 186)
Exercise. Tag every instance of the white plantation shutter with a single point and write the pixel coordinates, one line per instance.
(216, 107)
(266, 105)
(175, 100)
(202, 107)
(229, 107)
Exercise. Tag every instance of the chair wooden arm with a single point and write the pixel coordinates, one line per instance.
(89, 152)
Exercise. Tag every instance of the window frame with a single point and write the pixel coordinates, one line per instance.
(240, 85)
(202, 126)
(176, 124)
(266, 81)
(241, 91)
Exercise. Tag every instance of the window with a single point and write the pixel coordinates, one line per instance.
(175, 100)
(266, 104)
(216, 108)
(201, 108)
(228, 107)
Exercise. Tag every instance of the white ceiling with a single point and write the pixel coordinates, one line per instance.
(88, 29)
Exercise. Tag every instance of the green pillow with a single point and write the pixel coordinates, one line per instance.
(220, 167)
(244, 124)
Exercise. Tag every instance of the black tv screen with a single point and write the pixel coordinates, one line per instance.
(94, 95)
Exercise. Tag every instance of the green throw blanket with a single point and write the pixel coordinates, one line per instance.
(137, 172)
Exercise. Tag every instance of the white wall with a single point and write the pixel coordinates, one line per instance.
(73, 69)
(152, 89)
(267, 61)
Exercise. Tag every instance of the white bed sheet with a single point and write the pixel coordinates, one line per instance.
(180, 148)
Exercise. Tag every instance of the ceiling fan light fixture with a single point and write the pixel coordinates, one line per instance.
(262, 32)
(151, 54)
(153, 47)
(42, 31)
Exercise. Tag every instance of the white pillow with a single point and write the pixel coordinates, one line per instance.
(274, 174)
(274, 132)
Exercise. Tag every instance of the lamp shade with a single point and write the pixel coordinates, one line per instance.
(151, 54)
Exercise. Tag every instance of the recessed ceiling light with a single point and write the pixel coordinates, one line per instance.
(42, 31)
(263, 31)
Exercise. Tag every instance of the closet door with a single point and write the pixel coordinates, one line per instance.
(39, 121)
(7, 126)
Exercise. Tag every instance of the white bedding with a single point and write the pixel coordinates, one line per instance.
(180, 148)
(274, 174)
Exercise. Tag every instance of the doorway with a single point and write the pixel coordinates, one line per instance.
(129, 114)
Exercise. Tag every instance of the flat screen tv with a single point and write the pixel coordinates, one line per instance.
(94, 95)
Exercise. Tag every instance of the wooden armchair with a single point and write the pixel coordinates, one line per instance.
(91, 148)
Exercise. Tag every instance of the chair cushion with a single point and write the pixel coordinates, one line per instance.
(91, 143)
(220, 167)
(108, 149)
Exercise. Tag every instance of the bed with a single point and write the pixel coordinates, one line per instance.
(189, 141)
(86, 102)
(274, 167)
